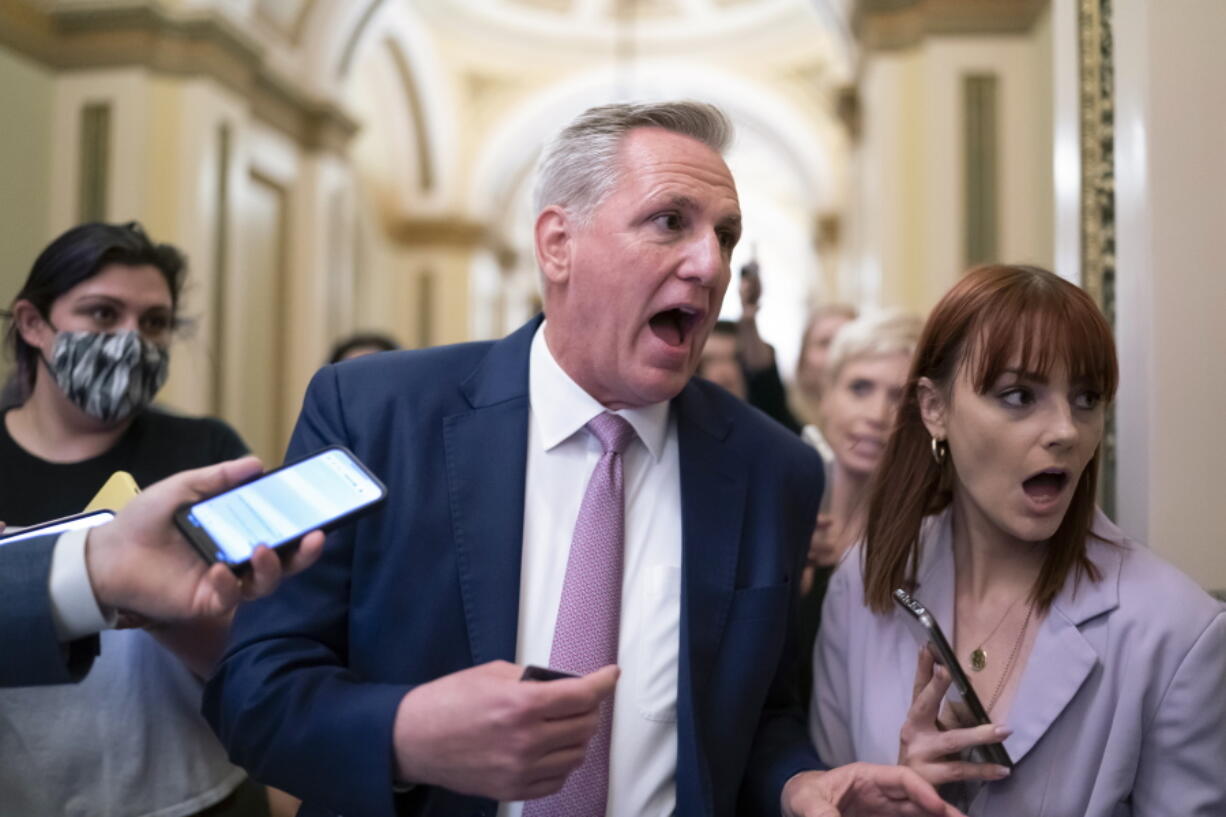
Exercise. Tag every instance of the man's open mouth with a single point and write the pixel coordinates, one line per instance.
(675, 326)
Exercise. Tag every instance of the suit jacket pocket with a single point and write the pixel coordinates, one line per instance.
(769, 601)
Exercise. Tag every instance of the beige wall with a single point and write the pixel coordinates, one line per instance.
(1170, 204)
(27, 94)
(909, 217)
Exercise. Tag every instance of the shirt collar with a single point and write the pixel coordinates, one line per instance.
(561, 406)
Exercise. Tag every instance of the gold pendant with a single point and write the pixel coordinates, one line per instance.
(979, 659)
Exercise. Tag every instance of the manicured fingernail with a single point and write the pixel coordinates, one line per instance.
(1002, 771)
(1003, 732)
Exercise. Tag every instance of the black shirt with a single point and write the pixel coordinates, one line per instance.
(156, 445)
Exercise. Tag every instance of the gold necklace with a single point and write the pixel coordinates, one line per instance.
(1017, 648)
(979, 658)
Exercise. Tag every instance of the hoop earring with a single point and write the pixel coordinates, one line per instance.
(940, 449)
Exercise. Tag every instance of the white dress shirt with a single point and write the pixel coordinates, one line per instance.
(74, 609)
(561, 457)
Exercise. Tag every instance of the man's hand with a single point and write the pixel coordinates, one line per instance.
(482, 731)
(140, 563)
(863, 790)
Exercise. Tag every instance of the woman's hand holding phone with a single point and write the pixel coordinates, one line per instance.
(932, 750)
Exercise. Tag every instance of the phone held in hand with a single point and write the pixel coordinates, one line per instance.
(534, 673)
(961, 696)
(319, 492)
(57, 526)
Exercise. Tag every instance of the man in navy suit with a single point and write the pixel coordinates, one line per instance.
(385, 680)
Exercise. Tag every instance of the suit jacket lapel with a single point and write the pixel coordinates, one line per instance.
(486, 450)
(712, 505)
(1062, 658)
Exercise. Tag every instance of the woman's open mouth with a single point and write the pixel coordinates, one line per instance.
(1046, 486)
(675, 326)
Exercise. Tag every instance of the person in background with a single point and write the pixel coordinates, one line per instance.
(90, 331)
(51, 609)
(1099, 664)
(363, 343)
(720, 362)
(865, 374)
(736, 357)
(823, 324)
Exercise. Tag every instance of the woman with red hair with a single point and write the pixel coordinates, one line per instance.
(1100, 665)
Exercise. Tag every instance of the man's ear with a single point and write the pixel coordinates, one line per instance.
(554, 241)
(31, 325)
(933, 408)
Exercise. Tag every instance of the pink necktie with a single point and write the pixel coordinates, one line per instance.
(585, 637)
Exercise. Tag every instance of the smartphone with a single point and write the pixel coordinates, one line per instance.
(57, 526)
(319, 492)
(961, 695)
(534, 673)
(119, 489)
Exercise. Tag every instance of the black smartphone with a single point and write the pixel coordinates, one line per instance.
(318, 492)
(57, 526)
(534, 673)
(961, 695)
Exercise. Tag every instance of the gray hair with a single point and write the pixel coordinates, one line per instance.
(578, 168)
(888, 332)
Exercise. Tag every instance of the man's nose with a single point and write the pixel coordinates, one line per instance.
(705, 261)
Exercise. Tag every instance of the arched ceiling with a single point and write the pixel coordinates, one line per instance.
(653, 27)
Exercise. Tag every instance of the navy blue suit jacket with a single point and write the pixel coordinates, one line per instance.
(30, 652)
(307, 693)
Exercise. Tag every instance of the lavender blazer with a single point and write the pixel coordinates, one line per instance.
(1121, 708)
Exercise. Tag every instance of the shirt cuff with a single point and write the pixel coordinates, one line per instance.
(74, 609)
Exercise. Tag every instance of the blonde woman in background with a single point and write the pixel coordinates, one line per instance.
(865, 373)
(824, 323)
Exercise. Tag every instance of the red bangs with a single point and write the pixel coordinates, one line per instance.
(1026, 318)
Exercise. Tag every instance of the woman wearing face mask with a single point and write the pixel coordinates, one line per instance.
(90, 332)
(864, 376)
(1099, 664)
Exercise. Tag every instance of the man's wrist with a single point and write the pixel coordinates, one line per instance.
(76, 608)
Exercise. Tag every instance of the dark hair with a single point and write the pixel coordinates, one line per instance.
(76, 256)
(379, 342)
(993, 315)
(724, 328)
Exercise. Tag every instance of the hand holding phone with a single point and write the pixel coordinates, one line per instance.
(939, 677)
(319, 492)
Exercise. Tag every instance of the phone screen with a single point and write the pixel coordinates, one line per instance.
(85, 520)
(282, 506)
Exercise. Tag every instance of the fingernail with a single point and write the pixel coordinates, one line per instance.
(1003, 771)
(1003, 732)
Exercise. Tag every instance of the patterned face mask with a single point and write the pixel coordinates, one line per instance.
(108, 375)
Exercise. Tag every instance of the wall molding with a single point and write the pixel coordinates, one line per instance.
(142, 35)
(886, 25)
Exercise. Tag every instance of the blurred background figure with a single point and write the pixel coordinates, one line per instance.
(865, 374)
(363, 343)
(90, 331)
(721, 364)
(823, 324)
(737, 358)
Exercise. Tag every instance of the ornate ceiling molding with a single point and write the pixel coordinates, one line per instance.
(142, 35)
(884, 25)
